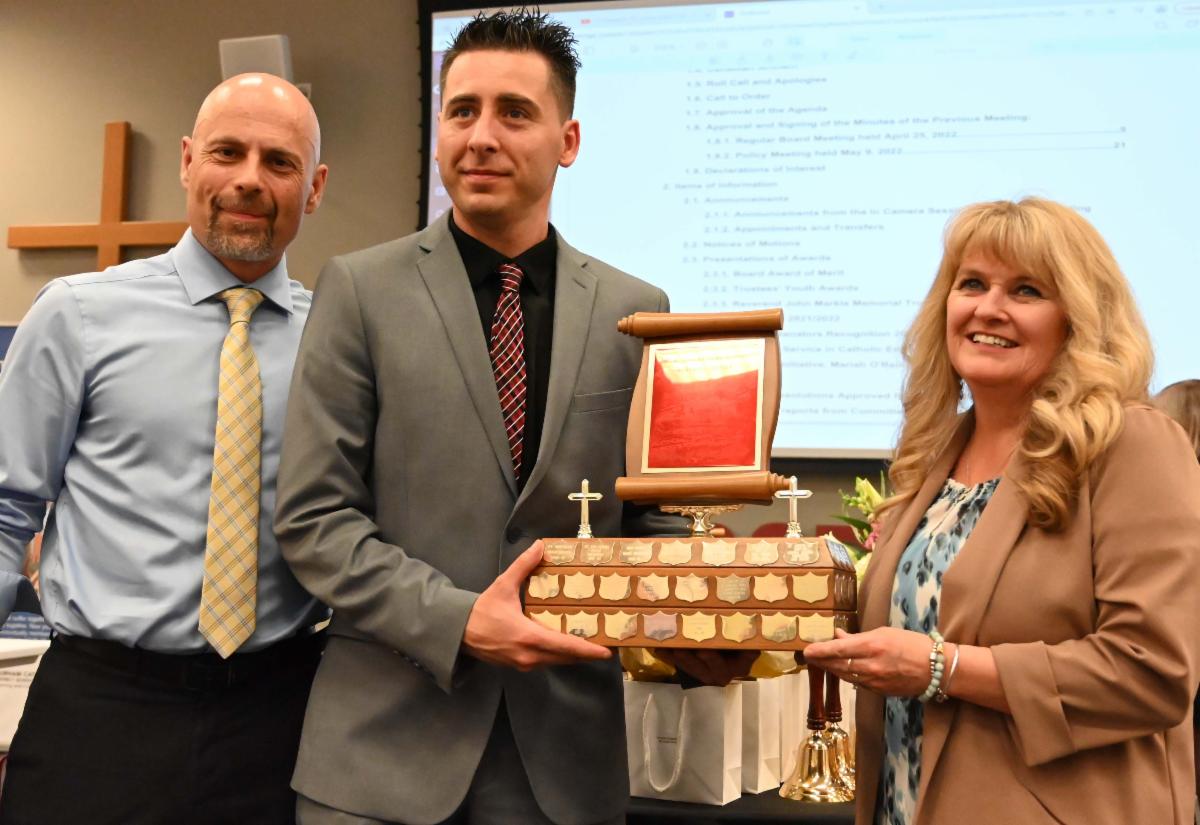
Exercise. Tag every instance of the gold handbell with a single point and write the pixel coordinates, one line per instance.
(843, 758)
(815, 777)
(838, 740)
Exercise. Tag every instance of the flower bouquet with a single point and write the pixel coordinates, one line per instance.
(866, 500)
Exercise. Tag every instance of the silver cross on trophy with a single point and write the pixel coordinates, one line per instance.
(583, 497)
(793, 495)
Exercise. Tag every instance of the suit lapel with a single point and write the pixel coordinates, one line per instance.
(574, 296)
(876, 601)
(967, 589)
(969, 582)
(446, 279)
(877, 588)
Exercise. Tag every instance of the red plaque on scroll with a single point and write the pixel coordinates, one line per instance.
(704, 407)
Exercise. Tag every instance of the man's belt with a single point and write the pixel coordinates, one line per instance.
(199, 671)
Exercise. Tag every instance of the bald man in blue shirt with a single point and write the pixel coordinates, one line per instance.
(146, 709)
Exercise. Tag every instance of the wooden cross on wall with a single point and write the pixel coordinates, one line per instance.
(113, 232)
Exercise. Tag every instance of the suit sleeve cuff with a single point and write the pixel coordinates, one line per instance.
(453, 609)
(1039, 721)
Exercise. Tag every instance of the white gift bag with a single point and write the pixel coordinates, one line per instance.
(684, 745)
(760, 734)
(793, 719)
(19, 660)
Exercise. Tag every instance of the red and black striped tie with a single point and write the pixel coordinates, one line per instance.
(508, 359)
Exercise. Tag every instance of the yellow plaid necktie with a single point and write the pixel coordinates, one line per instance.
(228, 597)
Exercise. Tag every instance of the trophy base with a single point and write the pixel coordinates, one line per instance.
(717, 593)
(719, 629)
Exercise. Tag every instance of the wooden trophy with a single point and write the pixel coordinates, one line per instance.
(699, 443)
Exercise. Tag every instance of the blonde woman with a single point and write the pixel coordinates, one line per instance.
(1028, 646)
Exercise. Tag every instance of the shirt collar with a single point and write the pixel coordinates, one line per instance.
(204, 276)
(538, 263)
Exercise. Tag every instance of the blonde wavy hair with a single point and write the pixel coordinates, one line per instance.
(1078, 408)
(1181, 401)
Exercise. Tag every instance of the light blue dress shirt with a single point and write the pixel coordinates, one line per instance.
(108, 408)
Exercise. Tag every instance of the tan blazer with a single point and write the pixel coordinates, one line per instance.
(1094, 632)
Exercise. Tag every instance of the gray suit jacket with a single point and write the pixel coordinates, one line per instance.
(397, 506)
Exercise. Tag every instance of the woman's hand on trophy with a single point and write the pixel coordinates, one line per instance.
(885, 660)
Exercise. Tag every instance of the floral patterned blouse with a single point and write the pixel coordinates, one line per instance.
(915, 596)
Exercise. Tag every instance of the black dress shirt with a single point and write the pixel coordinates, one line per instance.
(539, 264)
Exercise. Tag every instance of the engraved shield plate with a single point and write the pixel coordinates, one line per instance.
(659, 626)
(769, 588)
(579, 586)
(597, 552)
(636, 552)
(584, 625)
(653, 588)
(559, 552)
(543, 586)
(778, 627)
(699, 627)
(733, 589)
(691, 588)
(801, 551)
(718, 552)
(547, 619)
(675, 552)
(816, 628)
(620, 625)
(615, 588)
(760, 553)
(738, 627)
(810, 587)
(839, 553)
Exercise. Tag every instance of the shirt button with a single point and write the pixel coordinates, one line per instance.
(513, 535)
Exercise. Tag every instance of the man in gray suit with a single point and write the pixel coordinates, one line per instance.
(452, 388)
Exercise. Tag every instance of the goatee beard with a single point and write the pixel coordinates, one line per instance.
(254, 244)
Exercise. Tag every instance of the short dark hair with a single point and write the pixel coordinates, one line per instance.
(522, 30)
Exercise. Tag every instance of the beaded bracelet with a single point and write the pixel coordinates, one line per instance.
(937, 665)
(942, 695)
